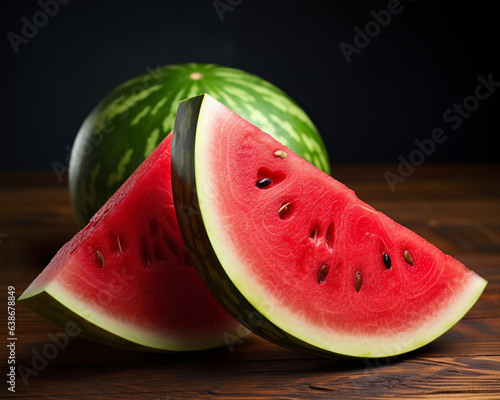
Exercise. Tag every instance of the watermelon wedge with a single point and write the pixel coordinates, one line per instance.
(126, 279)
(295, 255)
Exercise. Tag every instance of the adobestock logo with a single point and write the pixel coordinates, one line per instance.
(452, 116)
(363, 37)
(48, 9)
(223, 6)
(40, 360)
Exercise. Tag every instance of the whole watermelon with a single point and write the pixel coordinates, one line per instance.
(125, 127)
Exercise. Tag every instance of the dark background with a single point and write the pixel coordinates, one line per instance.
(370, 110)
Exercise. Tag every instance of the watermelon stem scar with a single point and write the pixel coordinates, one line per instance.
(327, 273)
(195, 76)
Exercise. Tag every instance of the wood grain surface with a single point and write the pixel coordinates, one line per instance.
(457, 207)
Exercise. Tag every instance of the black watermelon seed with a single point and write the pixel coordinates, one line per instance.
(322, 273)
(387, 260)
(264, 182)
(359, 281)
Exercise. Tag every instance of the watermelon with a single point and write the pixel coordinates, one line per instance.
(295, 255)
(126, 279)
(123, 129)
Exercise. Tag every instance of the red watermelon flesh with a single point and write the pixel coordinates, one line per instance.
(323, 271)
(125, 278)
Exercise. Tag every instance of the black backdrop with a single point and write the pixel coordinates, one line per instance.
(423, 64)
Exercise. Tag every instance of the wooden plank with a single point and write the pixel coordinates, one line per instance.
(318, 378)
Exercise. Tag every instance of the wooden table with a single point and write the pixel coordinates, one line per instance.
(457, 207)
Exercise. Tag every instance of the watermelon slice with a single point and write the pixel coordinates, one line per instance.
(295, 254)
(125, 278)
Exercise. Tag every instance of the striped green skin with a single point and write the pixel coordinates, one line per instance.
(125, 127)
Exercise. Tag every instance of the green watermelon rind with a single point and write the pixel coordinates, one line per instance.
(241, 294)
(134, 117)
